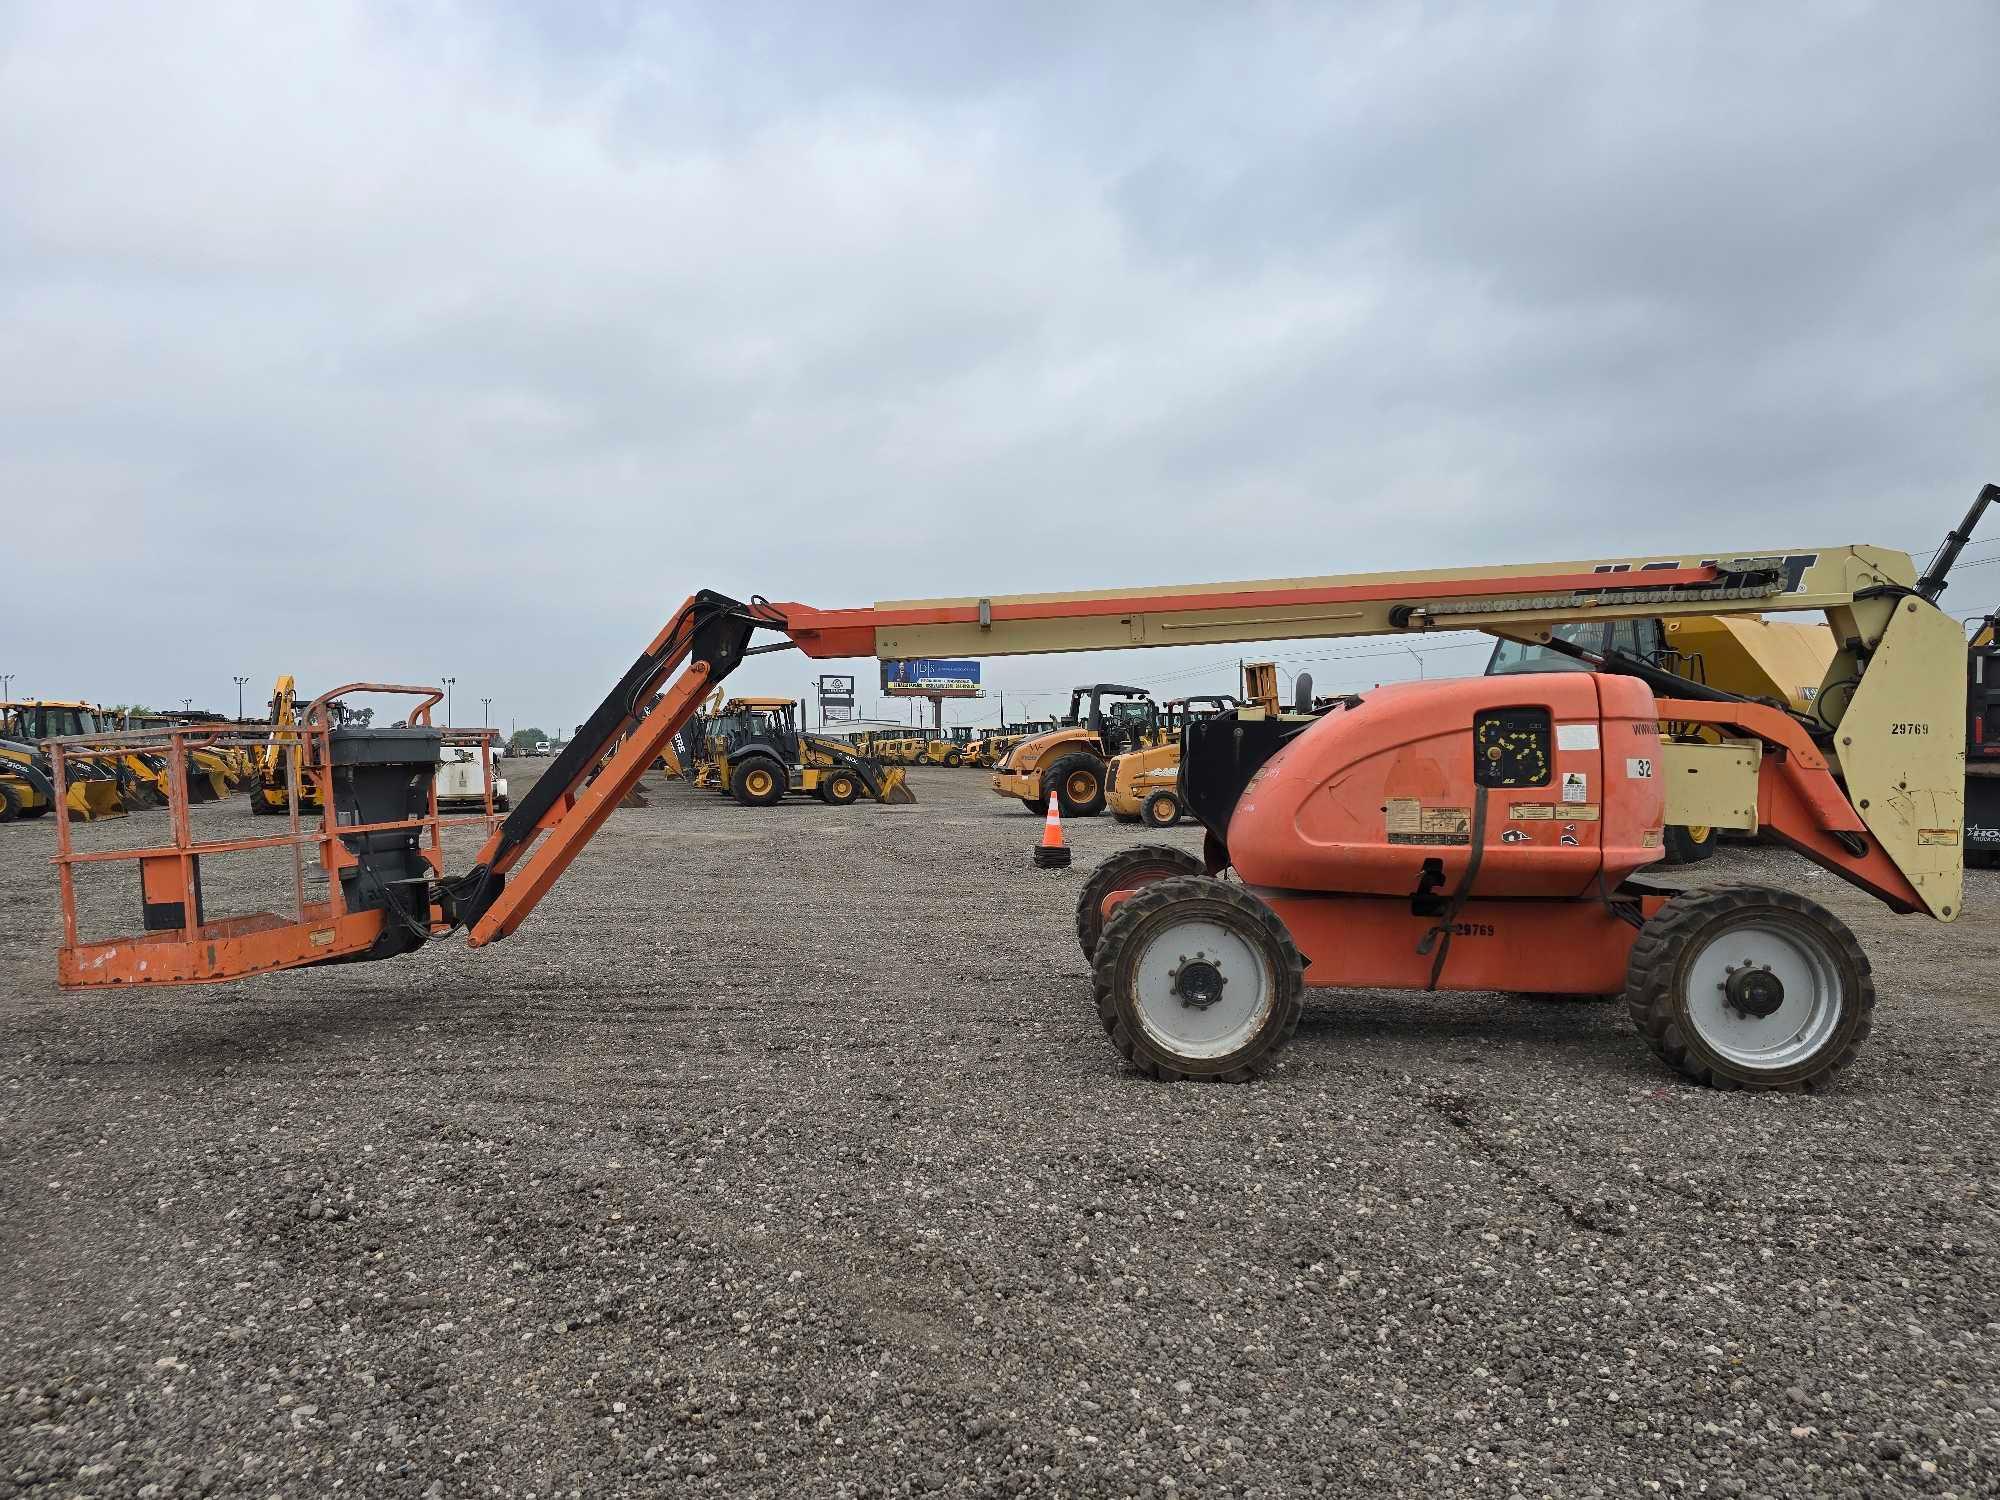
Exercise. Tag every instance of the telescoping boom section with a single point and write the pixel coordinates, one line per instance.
(1870, 786)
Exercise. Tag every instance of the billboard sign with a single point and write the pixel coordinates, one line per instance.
(924, 674)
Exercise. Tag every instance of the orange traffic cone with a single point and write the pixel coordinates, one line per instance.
(1052, 853)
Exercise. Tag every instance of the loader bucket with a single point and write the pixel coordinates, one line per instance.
(207, 780)
(895, 788)
(93, 798)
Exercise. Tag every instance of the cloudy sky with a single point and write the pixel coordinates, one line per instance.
(400, 340)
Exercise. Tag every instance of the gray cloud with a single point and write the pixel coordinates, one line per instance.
(520, 323)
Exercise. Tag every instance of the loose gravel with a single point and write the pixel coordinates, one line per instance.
(781, 1154)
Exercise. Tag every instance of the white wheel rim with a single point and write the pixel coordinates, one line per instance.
(1793, 1033)
(1201, 1033)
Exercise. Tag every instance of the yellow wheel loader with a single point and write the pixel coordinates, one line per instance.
(1106, 719)
(765, 758)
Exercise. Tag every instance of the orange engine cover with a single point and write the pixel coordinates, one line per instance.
(1567, 765)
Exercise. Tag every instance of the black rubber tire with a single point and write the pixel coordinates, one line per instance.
(953, 758)
(1128, 869)
(10, 805)
(840, 788)
(1654, 987)
(757, 768)
(1124, 939)
(1161, 810)
(1056, 782)
(1039, 806)
(260, 807)
(1681, 847)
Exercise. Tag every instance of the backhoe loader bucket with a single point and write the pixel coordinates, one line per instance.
(896, 788)
(94, 797)
(208, 777)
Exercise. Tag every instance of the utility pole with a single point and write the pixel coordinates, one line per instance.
(447, 700)
(6, 686)
(485, 712)
(239, 681)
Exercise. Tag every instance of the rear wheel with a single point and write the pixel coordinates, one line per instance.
(1162, 809)
(1078, 782)
(260, 802)
(840, 788)
(953, 758)
(1750, 988)
(1687, 846)
(1197, 978)
(1127, 870)
(757, 782)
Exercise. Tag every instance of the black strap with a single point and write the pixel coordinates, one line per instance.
(1440, 932)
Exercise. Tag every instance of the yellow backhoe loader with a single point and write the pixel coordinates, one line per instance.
(764, 756)
(947, 749)
(98, 787)
(270, 784)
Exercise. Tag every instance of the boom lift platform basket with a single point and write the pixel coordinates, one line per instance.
(377, 839)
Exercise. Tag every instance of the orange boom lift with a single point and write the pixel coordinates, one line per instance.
(1479, 834)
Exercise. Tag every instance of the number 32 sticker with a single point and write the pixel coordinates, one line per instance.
(1639, 768)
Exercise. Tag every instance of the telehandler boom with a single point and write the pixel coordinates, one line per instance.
(1461, 835)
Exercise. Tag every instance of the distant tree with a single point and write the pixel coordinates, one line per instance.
(523, 741)
(363, 717)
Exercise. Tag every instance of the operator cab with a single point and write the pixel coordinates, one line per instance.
(1642, 638)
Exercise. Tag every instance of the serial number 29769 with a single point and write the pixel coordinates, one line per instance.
(1909, 728)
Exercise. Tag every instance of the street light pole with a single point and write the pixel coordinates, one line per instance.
(485, 713)
(187, 705)
(447, 700)
(6, 685)
(239, 698)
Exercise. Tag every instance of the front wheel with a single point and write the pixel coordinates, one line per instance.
(1162, 809)
(1077, 781)
(1750, 988)
(841, 788)
(1197, 978)
(1127, 870)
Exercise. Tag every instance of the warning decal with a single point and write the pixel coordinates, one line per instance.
(1576, 787)
(1525, 812)
(1937, 836)
(1407, 822)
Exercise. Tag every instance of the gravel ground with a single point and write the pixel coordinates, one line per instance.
(781, 1154)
